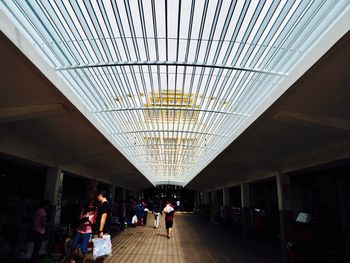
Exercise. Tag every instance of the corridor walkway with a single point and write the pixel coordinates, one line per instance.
(194, 240)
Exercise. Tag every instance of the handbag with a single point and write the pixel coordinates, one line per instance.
(102, 246)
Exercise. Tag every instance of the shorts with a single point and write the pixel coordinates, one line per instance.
(81, 241)
(168, 224)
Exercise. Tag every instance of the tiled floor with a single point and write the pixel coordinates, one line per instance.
(146, 244)
(194, 240)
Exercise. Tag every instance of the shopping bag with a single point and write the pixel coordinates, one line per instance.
(134, 220)
(102, 246)
(168, 209)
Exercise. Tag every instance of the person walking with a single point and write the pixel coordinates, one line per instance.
(169, 218)
(83, 233)
(156, 213)
(39, 228)
(145, 214)
(104, 217)
(139, 213)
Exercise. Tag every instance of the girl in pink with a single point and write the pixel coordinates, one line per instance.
(84, 232)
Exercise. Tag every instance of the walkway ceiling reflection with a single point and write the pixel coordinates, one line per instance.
(175, 82)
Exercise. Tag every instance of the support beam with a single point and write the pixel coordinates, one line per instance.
(226, 196)
(174, 108)
(226, 204)
(13, 114)
(246, 206)
(53, 192)
(92, 189)
(169, 131)
(331, 153)
(206, 198)
(205, 209)
(198, 200)
(344, 209)
(123, 194)
(285, 211)
(313, 121)
(112, 193)
(170, 63)
(73, 158)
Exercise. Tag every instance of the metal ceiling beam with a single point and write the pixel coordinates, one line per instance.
(170, 63)
(172, 109)
(168, 131)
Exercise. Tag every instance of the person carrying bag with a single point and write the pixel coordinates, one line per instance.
(102, 243)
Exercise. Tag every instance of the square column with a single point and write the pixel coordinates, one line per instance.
(197, 201)
(226, 204)
(215, 207)
(91, 190)
(206, 205)
(343, 184)
(285, 210)
(112, 193)
(124, 194)
(53, 192)
(246, 206)
(226, 196)
(205, 197)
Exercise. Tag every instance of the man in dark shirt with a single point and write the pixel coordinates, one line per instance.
(104, 217)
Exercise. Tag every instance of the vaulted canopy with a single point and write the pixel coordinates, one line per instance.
(175, 82)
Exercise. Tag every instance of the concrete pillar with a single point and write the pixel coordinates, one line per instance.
(205, 198)
(215, 207)
(117, 193)
(205, 205)
(246, 205)
(212, 207)
(201, 198)
(285, 210)
(343, 184)
(92, 189)
(226, 196)
(112, 193)
(201, 202)
(196, 200)
(123, 193)
(132, 193)
(53, 192)
(226, 204)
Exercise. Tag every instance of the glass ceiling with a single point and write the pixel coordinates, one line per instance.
(173, 81)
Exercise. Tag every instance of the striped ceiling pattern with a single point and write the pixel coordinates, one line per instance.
(173, 82)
